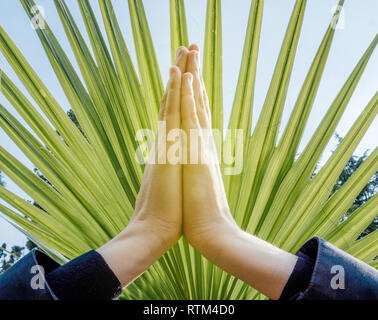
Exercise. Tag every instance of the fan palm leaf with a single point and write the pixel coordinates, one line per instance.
(94, 176)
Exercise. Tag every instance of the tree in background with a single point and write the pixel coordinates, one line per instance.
(8, 258)
(366, 193)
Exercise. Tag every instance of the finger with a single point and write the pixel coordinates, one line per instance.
(206, 100)
(169, 114)
(162, 106)
(189, 118)
(193, 66)
(173, 117)
(173, 99)
(181, 58)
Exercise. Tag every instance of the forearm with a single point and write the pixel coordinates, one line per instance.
(131, 253)
(256, 262)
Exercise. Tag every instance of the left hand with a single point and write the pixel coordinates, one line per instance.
(208, 224)
(156, 224)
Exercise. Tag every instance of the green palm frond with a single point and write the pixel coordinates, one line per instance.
(93, 174)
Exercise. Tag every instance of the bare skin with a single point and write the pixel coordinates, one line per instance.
(208, 223)
(191, 198)
(156, 224)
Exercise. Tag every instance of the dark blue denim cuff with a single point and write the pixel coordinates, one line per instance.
(38, 277)
(299, 278)
(26, 279)
(337, 275)
(88, 277)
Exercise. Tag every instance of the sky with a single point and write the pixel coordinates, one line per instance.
(358, 29)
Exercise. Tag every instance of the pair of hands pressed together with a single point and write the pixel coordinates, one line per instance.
(190, 199)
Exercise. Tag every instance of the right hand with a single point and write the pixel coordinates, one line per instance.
(208, 224)
(207, 216)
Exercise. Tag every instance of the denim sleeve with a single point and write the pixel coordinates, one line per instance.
(334, 274)
(38, 277)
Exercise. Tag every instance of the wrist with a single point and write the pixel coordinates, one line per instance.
(160, 233)
(222, 242)
(211, 240)
(254, 261)
(131, 252)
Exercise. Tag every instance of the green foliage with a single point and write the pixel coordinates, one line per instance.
(8, 258)
(92, 172)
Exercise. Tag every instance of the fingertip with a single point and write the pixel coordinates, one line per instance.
(174, 71)
(193, 63)
(180, 51)
(181, 57)
(182, 48)
(195, 47)
(174, 77)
